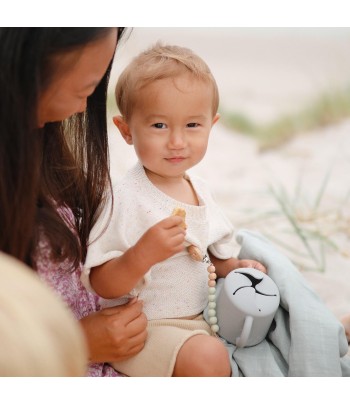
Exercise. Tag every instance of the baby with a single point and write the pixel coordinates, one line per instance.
(168, 100)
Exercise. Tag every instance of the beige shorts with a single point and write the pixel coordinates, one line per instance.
(165, 339)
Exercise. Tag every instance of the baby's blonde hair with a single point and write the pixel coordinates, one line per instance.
(39, 335)
(160, 62)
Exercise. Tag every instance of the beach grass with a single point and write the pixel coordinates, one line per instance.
(328, 108)
(307, 218)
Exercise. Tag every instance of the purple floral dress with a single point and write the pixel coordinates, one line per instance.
(69, 287)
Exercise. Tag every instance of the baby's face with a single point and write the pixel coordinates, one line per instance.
(170, 124)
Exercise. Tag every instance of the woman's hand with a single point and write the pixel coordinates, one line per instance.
(116, 333)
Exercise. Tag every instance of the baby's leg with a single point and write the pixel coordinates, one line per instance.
(202, 356)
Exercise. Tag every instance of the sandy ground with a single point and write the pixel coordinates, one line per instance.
(264, 73)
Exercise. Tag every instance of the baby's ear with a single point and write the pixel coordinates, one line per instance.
(215, 119)
(123, 127)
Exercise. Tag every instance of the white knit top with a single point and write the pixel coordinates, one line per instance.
(178, 286)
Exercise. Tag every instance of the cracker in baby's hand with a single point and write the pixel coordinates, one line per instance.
(181, 213)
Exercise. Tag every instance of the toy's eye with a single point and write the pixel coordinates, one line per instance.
(159, 125)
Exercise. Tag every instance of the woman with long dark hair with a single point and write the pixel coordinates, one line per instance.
(54, 170)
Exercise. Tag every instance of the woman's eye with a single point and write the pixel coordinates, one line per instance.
(192, 125)
(159, 125)
(86, 94)
(82, 97)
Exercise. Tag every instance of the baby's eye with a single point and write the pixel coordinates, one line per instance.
(159, 125)
(192, 125)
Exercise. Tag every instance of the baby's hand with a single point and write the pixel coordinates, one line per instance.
(162, 240)
(251, 263)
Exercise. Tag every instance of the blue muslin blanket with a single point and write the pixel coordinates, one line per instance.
(308, 340)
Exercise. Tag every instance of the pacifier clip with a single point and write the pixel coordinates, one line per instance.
(198, 256)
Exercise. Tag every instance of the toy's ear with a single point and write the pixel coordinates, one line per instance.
(123, 127)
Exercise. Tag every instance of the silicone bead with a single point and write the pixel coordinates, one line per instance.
(211, 283)
(212, 305)
(212, 290)
(215, 328)
(212, 276)
(213, 320)
(211, 312)
(211, 297)
(211, 269)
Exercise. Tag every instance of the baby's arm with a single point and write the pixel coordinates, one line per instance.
(223, 267)
(119, 276)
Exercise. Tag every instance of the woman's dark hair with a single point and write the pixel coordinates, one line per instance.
(44, 172)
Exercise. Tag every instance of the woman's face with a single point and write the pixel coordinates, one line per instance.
(77, 75)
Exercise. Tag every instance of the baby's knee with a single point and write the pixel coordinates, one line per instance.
(215, 357)
(206, 356)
